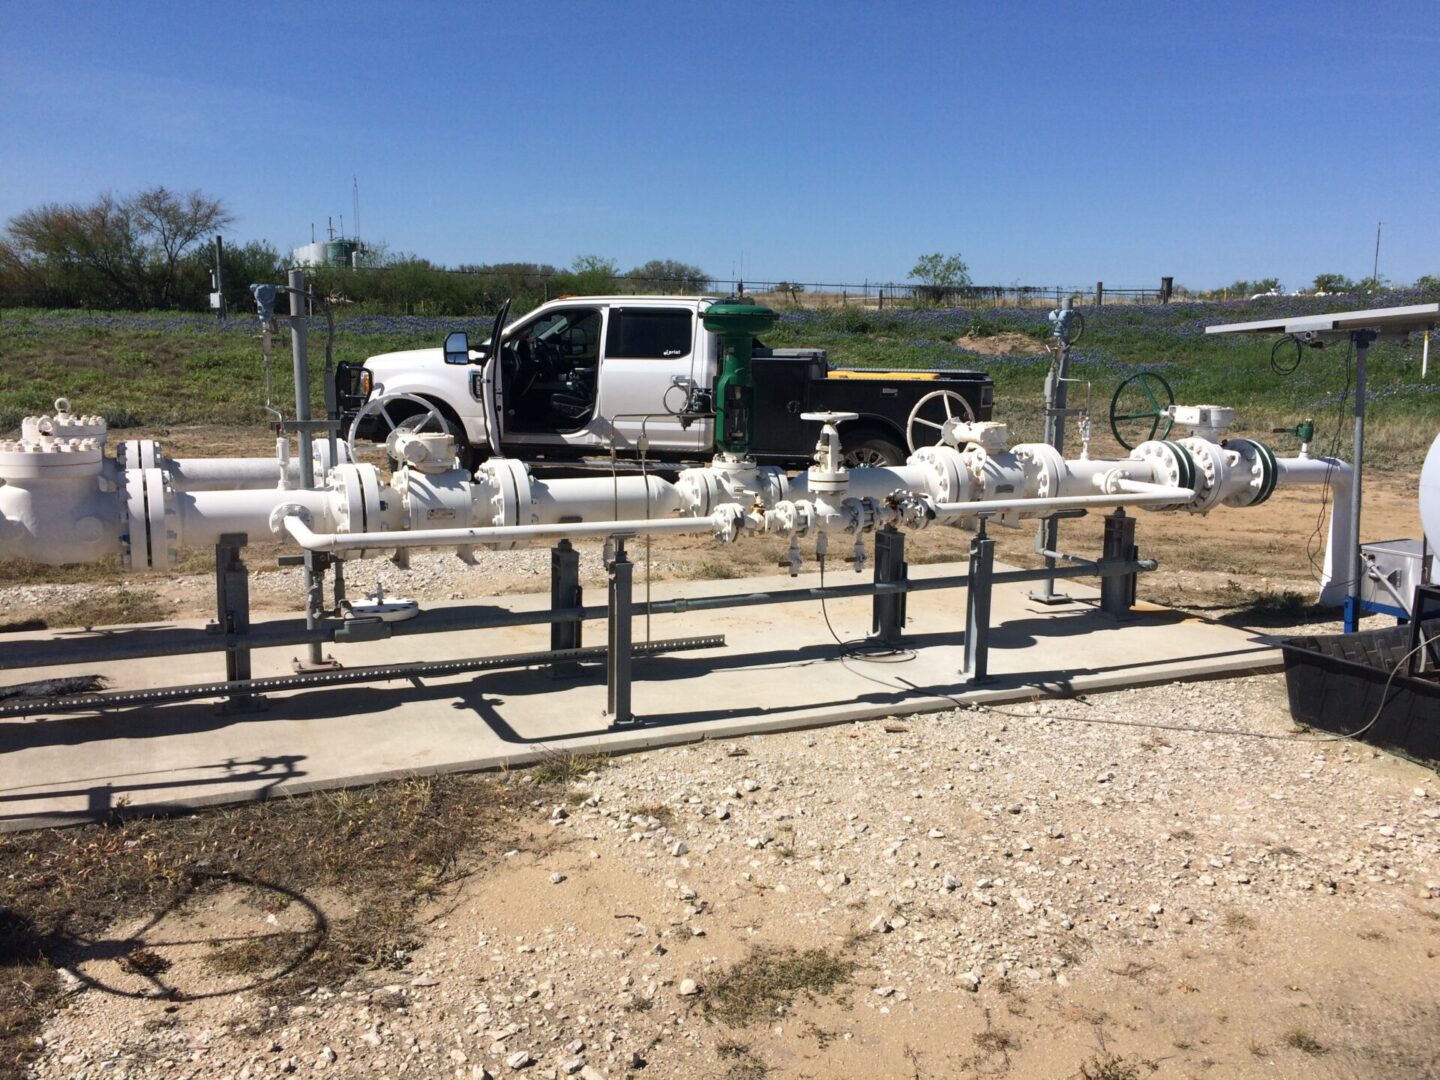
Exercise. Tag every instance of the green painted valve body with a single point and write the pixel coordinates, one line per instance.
(736, 323)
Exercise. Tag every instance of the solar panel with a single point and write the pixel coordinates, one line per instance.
(1395, 320)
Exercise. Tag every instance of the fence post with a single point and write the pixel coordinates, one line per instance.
(1099, 293)
(1167, 286)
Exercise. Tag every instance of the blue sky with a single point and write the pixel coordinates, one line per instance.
(828, 141)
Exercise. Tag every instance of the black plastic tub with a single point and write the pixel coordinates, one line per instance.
(1338, 682)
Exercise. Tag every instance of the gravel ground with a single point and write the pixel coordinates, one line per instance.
(1034, 892)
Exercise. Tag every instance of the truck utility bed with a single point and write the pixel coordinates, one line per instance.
(791, 382)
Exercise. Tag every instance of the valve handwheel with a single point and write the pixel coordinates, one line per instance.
(1147, 398)
(414, 421)
(955, 408)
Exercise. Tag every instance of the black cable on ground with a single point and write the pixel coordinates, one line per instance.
(863, 648)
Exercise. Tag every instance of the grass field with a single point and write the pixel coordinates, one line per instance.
(159, 369)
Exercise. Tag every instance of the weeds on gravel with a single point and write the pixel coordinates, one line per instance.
(995, 1041)
(740, 1061)
(109, 608)
(1306, 1043)
(1109, 1067)
(380, 848)
(766, 982)
(566, 767)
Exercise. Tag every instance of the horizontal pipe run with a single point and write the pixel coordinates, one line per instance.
(1145, 487)
(490, 534)
(1063, 502)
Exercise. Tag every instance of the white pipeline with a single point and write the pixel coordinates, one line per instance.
(494, 534)
(955, 511)
(618, 498)
(63, 501)
(1335, 572)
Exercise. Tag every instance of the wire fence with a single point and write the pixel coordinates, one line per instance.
(544, 283)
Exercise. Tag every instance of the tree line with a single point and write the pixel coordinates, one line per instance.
(153, 250)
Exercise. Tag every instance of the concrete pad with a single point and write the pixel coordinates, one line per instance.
(781, 668)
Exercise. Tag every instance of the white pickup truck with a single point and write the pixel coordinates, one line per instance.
(587, 376)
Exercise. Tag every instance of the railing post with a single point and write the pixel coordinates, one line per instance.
(565, 592)
(977, 607)
(1117, 593)
(617, 659)
(888, 609)
(232, 614)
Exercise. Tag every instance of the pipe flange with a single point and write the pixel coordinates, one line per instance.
(973, 458)
(284, 510)
(1264, 470)
(355, 502)
(946, 479)
(507, 481)
(1049, 467)
(1174, 465)
(1210, 458)
(699, 492)
(147, 522)
(139, 454)
(727, 521)
(1110, 480)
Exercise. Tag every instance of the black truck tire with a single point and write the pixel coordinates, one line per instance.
(872, 450)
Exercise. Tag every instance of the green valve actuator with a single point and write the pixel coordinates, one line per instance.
(1304, 431)
(736, 323)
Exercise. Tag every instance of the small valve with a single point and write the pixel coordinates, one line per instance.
(828, 475)
(792, 557)
(1304, 431)
(857, 553)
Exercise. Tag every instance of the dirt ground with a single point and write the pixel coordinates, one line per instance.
(1166, 882)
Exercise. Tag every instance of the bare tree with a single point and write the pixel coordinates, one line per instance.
(112, 252)
(171, 223)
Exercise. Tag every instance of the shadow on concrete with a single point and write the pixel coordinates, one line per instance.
(108, 800)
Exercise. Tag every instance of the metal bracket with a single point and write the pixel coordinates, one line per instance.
(617, 657)
(977, 607)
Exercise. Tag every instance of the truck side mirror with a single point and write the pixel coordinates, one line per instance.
(457, 347)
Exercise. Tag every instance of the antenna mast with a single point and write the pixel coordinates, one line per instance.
(1375, 270)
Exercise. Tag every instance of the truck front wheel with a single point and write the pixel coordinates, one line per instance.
(872, 451)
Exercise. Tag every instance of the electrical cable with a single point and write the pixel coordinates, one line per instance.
(862, 648)
(1275, 365)
(1374, 718)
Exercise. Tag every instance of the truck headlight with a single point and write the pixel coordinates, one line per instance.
(367, 381)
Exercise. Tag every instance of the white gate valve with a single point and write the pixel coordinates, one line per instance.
(828, 476)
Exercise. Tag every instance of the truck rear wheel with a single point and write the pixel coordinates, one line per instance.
(872, 451)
